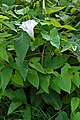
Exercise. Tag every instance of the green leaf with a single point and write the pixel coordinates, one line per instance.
(68, 27)
(5, 77)
(13, 106)
(10, 12)
(65, 68)
(8, 2)
(36, 99)
(63, 2)
(50, 71)
(3, 54)
(73, 88)
(1, 66)
(16, 95)
(76, 79)
(22, 11)
(34, 59)
(55, 23)
(33, 78)
(53, 99)
(55, 9)
(11, 25)
(27, 113)
(44, 82)
(54, 84)
(55, 38)
(62, 116)
(67, 98)
(22, 68)
(76, 116)
(5, 34)
(74, 103)
(21, 45)
(3, 17)
(75, 68)
(76, 2)
(17, 78)
(56, 62)
(37, 66)
(78, 58)
(65, 18)
(40, 91)
(38, 41)
(73, 10)
(1, 21)
(45, 35)
(66, 47)
(65, 81)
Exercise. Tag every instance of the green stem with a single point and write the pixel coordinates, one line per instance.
(59, 111)
(42, 56)
(44, 7)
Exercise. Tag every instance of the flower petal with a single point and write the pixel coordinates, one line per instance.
(30, 32)
(24, 26)
(28, 27)
(33, 23)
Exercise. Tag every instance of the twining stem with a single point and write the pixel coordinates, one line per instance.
(44, 7)
(42, 56)
(59, 111)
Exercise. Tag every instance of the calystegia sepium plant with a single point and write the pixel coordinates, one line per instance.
(39, 59)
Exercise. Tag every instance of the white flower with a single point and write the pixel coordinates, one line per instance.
(28, 26)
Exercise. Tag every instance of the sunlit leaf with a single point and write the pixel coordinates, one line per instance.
(68, 27)
(45, 35)
(66, 47)
(73, 10)
(3, 17)
(54, 10)
(22, 11)
(55, 23)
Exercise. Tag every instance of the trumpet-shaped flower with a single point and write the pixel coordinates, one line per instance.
(28, 26)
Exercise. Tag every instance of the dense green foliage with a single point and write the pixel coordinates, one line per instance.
(40, 76)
